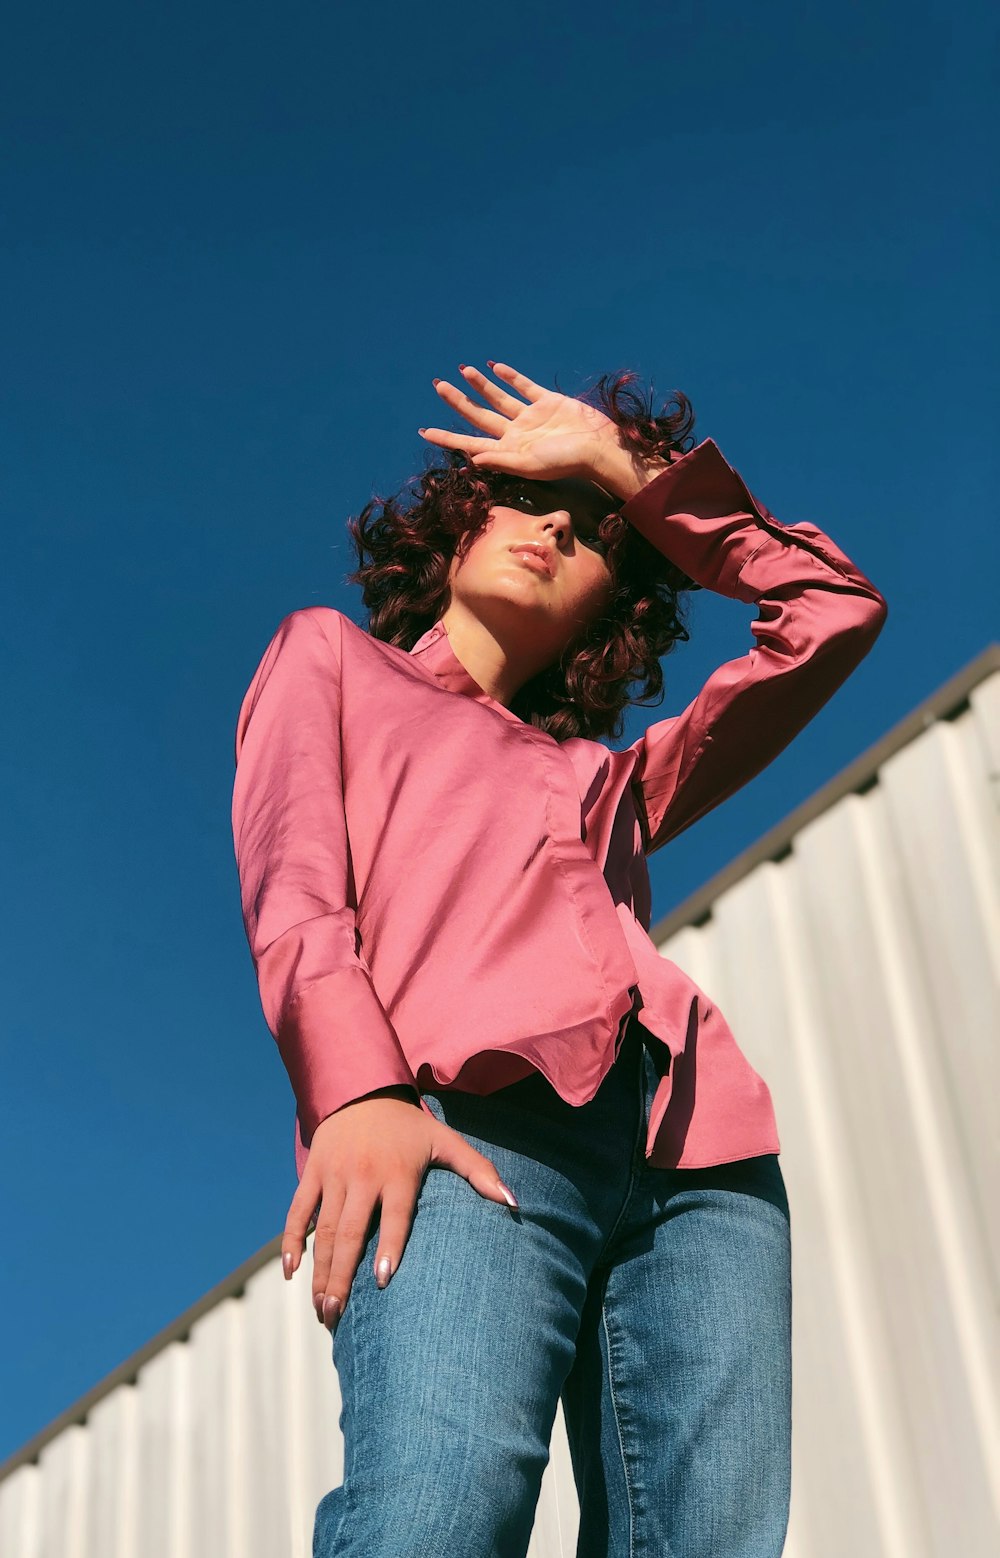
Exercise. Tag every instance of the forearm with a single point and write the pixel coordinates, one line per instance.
(818, 615)
(623, 473)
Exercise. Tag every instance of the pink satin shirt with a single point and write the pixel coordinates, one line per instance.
(437, 894)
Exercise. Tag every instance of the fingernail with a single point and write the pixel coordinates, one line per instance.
(490, 363)
(331, 1310)
(435, 382)
(383, 1271)
(507, 1194)
(462, 367)
(286, 1261)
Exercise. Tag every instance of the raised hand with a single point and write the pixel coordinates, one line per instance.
(545, 436)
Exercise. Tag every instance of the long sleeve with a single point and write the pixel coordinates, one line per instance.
(296, 881)
(818, 617)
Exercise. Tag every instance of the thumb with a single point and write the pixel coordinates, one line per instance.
(452, 1151)
(499, 462)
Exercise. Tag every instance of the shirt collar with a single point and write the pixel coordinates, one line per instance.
(433, 650)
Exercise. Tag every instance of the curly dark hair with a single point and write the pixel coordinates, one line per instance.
(405, 548)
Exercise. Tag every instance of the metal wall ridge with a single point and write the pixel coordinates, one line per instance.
(948, 701)
(127, 1372)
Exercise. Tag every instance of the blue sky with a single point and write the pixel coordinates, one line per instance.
(238, 243)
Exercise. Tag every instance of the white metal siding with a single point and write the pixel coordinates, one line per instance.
(860, 971)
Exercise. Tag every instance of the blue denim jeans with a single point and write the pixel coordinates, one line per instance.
(654, 1303)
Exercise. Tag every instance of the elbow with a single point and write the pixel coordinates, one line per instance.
(861, 614)
(871, 616)
(858, 628)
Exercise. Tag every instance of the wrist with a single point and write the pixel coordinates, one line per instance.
(622, 473)
(401, 1090)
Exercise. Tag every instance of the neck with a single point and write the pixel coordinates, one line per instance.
(492, 664)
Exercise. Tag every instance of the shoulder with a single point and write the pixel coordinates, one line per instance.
(312, 622)
(322, 634)
(310, 632)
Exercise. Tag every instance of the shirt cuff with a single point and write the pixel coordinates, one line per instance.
(699, 513)
(337, 1044)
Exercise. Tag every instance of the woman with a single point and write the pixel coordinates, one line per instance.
(444, 887)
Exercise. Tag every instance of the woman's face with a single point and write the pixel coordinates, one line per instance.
(557, 591)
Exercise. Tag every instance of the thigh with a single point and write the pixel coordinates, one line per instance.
(678, 1409)
(450, 1376)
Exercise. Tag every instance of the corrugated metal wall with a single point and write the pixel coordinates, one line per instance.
(855, 952)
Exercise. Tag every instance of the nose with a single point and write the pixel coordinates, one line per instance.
(560, 522)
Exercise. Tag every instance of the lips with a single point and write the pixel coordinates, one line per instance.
(535, 557)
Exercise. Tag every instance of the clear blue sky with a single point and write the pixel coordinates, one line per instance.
(238, 244)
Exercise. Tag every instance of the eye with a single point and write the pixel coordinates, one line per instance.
(585, 531)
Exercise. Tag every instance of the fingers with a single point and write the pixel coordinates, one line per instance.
(481, 451)
(519, 464)
(452, 1151)
(520, 381)
(298, 1223)
(497, 421)
(489, 421)
(439, 435)
(399, 1203)
(504, 403)
(339, 1248)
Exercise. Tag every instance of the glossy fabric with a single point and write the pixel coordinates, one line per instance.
(436, 893)
(655, 1303)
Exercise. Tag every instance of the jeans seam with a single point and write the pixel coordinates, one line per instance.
(618, 1429)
